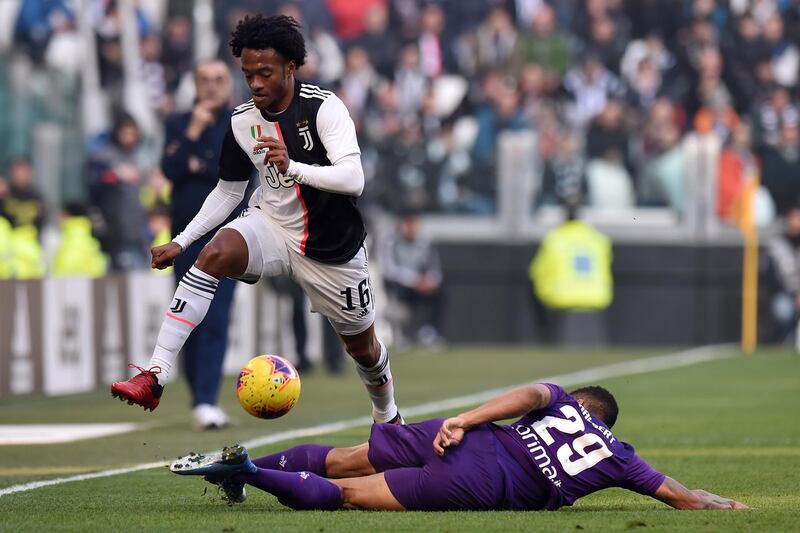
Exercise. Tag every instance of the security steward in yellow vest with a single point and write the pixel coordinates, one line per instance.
(6, 249)
(572, 268)
(28, 258)
(79, 252)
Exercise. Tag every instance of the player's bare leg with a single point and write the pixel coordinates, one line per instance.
(369, 493)
(350, 462)
(372, 362)
(225, 256)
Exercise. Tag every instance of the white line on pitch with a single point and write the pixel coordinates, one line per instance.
(626, 368)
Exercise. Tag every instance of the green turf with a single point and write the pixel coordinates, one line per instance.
(730, 426)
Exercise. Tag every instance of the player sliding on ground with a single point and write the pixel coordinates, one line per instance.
(560, 450)
(302, 221)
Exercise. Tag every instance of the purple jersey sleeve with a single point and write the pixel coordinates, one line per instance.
(557, 394)
(642, 477)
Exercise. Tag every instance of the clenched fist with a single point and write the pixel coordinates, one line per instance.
(164, 255)
(276, 152)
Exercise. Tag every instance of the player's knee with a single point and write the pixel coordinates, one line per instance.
(211, 259)
(218, 260)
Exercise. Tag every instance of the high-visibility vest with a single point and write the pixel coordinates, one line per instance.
(6, 249)
(78, 252)
(572, 268)
(28, 260)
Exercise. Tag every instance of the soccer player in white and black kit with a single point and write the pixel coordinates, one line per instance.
(302, 221)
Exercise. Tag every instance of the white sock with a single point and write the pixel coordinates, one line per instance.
(378, 380)
(188, 308)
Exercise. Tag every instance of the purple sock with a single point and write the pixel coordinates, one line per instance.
(306, 457)
(297, 490)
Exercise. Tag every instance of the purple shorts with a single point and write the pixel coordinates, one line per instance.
(469, 475)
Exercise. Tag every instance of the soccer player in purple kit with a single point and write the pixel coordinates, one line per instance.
(561, 449)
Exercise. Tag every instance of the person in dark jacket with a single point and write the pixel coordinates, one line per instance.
(191, 154)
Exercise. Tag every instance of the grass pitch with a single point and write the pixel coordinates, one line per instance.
(729, 426)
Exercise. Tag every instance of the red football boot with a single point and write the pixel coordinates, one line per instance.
(142, 389)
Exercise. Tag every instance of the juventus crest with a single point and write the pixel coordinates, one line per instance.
(308, 141)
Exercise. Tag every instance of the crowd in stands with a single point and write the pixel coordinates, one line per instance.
(621, 94)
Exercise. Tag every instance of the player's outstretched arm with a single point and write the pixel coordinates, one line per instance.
(676, 495)
(513, 403)
(218, 205)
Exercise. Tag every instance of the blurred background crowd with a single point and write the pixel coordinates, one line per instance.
(632, 103)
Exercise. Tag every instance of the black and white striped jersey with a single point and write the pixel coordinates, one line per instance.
(317, 130)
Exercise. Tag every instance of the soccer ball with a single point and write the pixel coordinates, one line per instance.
(268, 386)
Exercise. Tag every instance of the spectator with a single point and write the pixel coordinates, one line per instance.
(410, 81)
(37, 21)
(176, 55)
(564, 176)
(775, 112)
(325, 61)
(406, 171)
(349, 21)
(501, 112)
(783, 251)
(117, 171)
(379, 39)
(709, 89)
(607, 40)
(781, 168)
(743, 50)
(784, 55)
(701, 148)
(649, 69)
(358, 81)
(434, 44)
(664, 173)
(589, 86)
(383, 119)
(23, 204)
(544, 45)
(492, 43)
(608, 184)
(737, 164)
(413, 277)
(608, 132)
(152, 72)
(192, 149)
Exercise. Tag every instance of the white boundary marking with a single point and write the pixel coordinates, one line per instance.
(20, 434)
(625, 368)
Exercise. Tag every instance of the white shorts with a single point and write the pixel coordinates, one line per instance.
(341, 293)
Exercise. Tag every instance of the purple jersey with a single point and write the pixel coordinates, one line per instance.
(563, 448)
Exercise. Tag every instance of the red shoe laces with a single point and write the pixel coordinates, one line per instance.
(153, 370)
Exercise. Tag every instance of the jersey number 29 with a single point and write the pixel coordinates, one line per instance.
(572, 424)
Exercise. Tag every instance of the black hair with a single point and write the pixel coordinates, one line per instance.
(278, 32)
(599, 402)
